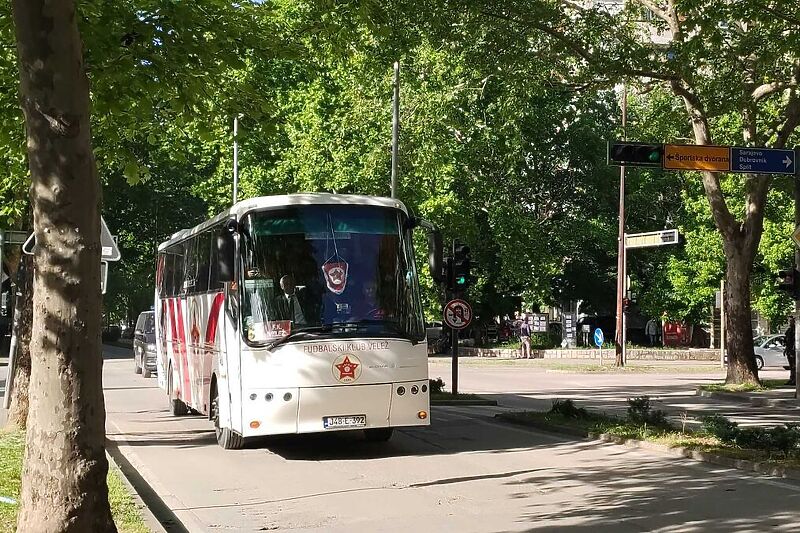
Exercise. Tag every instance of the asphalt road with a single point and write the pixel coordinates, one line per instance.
(465, 473)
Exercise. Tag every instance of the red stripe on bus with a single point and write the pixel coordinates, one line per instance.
(187, 383)
(213, 319)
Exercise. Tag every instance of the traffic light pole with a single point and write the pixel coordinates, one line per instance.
(619, 338)
(796, 303)
(454, 331)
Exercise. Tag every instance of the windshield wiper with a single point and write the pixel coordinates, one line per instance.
(290, 336)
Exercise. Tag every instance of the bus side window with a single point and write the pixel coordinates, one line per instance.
(178, 270)
(203, 254)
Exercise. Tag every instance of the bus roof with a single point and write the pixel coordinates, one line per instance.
(261, 202)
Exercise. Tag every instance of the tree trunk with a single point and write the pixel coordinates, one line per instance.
(65, 468)
(18, 410)
(738, 326)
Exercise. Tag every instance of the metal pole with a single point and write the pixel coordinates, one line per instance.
(722, 323)
(235, 160)
(454, 339)
(395, 127)
(619, 336)
(796, 303)
(12, 350)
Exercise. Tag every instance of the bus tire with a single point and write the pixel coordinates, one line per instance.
(226, 437)
(176, 406)
(378, 434)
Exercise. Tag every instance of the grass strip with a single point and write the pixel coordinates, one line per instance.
(766, 385)
(437, 396)
(597, 424)
(12, 447)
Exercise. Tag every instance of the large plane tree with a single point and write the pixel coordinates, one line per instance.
(64, 476)
(732, 67)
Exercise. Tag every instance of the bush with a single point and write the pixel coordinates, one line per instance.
(784, 439)
(720, 427)
(544, 341)
(436, 385)
(568, 409)
(640, 412)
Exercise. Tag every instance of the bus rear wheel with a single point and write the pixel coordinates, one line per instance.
(226, 437)
(176, 406)
(378, 434)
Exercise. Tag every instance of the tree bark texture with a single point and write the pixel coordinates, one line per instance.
(738, 315)
(64, 474)
(18, 410)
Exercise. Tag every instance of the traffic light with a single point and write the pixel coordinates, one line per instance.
(461, 265)
(635, 154)
(788, 282)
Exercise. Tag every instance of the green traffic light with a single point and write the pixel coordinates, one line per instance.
(655, 156)
(461, 280)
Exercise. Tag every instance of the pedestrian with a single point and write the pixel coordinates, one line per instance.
(525, 337)
(789, 351)
(651, 329)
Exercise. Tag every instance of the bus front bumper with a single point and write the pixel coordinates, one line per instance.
(336, 408)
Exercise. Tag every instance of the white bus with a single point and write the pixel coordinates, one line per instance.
(295, 314)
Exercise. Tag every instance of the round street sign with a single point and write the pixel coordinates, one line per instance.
(598, 338)
(457, 314)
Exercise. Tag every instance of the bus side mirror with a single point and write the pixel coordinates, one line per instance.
(435, 255)
(226, 252)
(435, 249)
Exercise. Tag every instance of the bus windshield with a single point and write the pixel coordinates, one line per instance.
(343, 270)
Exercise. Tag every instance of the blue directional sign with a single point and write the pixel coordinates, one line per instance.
(763, 161)
(598, 338)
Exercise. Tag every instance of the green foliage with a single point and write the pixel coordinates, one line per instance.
(640, 412)
(436, 386)
(722, 428)
(784, 439)
(568, 409)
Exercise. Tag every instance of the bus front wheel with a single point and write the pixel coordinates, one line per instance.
(378, 434)
(226, 437)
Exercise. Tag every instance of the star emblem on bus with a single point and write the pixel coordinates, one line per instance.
(348, 368)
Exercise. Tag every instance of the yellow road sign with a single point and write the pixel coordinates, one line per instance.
(694, 157)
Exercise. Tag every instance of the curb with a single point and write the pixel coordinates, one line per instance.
(464, 402)
(678, 452)
(149, 518)
(157, 514)
(730, 462)
(733, 397)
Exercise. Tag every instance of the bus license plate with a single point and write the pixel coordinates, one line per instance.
(348, 421)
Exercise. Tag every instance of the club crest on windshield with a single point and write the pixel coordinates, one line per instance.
(335, 276)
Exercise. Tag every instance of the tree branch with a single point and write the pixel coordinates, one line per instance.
(577, 48)
(725, 221)
(762, 91)
(657, 11)
(792, 120)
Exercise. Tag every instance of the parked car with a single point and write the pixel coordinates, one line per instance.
(769, 351)
(144, 344)
(433, 330)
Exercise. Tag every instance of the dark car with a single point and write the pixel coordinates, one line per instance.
(144, 344)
